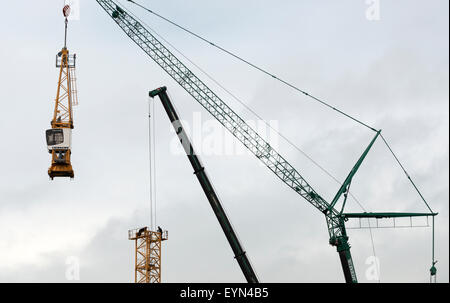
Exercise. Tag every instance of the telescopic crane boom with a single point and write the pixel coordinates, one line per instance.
(207, 187)
(246, 135)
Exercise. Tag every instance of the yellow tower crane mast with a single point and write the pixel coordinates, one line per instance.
(59, 137)
(147, 254)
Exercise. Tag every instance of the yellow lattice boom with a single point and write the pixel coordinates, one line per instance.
(59, 137)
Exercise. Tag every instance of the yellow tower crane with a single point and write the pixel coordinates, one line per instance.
(59, 137)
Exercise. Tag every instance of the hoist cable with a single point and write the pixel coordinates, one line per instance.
(152, 163)
(433, 261)
(254, 66)
(150, 160)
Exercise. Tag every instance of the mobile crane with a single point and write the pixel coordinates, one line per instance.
(252, 140)
(208, 189)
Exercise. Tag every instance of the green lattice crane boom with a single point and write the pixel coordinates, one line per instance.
(243, 132)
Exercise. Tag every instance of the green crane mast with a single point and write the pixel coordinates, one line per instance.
(246, 135)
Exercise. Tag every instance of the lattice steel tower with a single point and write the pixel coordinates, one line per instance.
(147, 254)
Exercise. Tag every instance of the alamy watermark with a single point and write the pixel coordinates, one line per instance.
(72, 268)
(373, 269)
(373, 11)
(209, 137)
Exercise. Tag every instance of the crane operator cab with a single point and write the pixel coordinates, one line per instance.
(59, 141)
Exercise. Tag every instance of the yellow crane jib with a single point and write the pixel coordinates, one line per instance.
(59, 137)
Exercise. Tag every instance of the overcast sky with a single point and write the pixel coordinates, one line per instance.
(391, 73)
